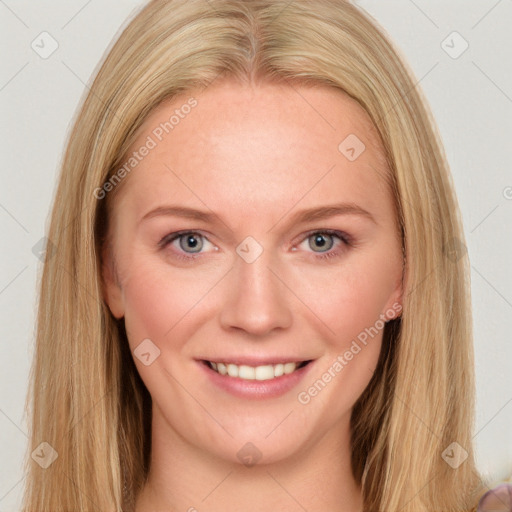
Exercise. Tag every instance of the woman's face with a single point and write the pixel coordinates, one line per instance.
(255, 231)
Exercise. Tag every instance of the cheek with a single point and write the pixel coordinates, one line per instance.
(349, 299)
(349, 305)
(348, 302)
(160, 303)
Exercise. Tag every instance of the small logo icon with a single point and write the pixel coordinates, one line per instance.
(351, 147)
(249, 455)
(455, 250)
(454, 45)
(44, 455)
(249, 250)
(146, 352)
(454, 455)
(44, 45)
(42, 247)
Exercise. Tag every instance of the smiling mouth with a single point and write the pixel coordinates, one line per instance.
(265, 372)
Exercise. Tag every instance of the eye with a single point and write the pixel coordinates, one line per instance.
(322, 243)
(186, 243)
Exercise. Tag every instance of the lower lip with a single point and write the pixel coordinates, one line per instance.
(256, 389)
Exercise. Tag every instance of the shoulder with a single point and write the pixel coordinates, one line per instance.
(497, 499)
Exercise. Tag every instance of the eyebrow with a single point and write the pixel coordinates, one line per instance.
(300, 217)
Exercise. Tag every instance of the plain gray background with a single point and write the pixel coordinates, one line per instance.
(470, 93)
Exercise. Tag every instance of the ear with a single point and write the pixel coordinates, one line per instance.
(112, 291)
(393, 307)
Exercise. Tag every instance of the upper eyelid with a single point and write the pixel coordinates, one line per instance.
(343, 237)
(172, 237)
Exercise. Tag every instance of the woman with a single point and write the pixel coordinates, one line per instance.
(259, 293)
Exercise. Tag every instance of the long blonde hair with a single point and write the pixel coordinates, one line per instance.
(88, 401)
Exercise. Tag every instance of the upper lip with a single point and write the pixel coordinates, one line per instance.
(255, 361)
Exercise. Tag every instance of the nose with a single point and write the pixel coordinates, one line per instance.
(256, 300)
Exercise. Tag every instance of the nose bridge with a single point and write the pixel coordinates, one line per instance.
(257, 301)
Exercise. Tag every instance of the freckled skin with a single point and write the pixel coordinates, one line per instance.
(254, 156)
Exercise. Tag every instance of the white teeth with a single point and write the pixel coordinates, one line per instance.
(246, 372)
(266, 372)
(289, 367)
(232, 370)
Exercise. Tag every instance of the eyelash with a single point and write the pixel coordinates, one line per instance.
(343, 237)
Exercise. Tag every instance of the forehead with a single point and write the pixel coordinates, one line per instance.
(256, 147)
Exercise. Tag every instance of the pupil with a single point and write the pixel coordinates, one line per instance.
(321, 242)
(191, 243)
